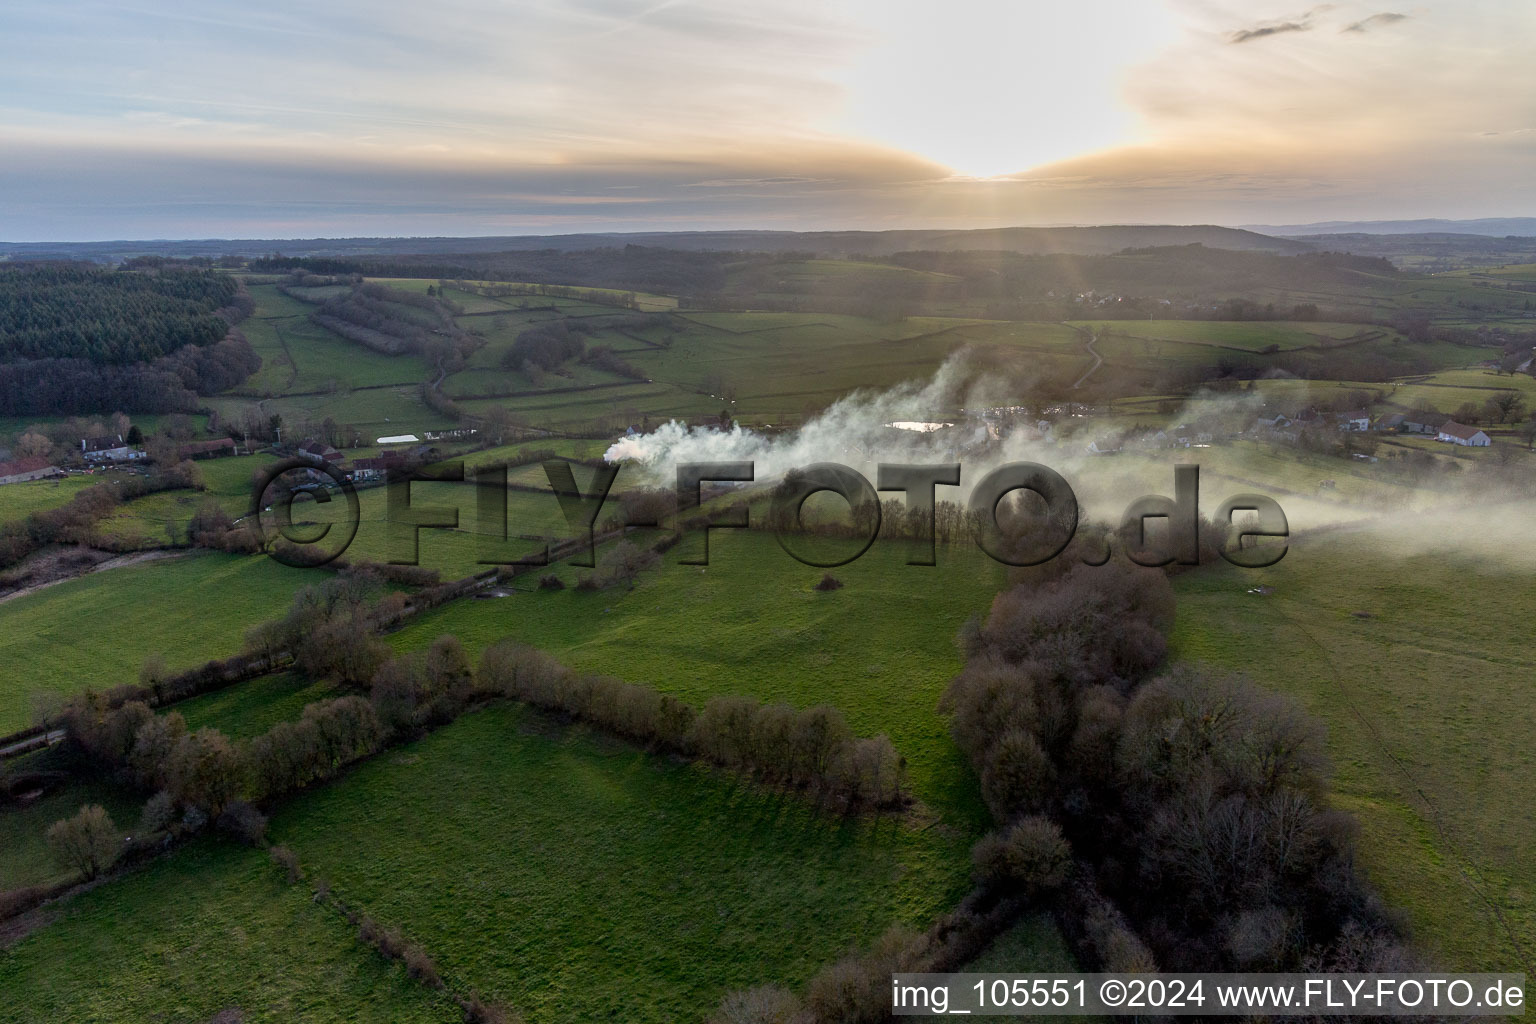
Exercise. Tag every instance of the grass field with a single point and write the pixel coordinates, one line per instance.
(17, 501)
(881, 649)
(251, 708)
(227, 481)
(98, 629)
(580, 879)
(211, 927)
(24, 855)
(1427, 704)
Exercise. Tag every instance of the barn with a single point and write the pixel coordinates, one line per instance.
(22, 470)
(1460, 433)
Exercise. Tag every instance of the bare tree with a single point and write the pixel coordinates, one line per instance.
(88, 842)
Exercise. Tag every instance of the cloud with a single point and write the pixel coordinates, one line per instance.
(1274, 29)
(785, 179)
(1366, 24)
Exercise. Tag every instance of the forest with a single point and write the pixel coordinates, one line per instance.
(77, 311)
(75, 339)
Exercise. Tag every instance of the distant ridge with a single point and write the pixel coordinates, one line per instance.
(1086, 241)
(1498, 227)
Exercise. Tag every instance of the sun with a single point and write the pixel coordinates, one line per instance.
(991, 90)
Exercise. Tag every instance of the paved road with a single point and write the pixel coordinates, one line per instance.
(34, 743)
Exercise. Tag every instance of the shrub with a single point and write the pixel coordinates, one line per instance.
(477, 1011)
(829, 582)
(420, 966)
(205, 771)
(1031, 854)
(286, 859)
(394, 693)
(857, 988)
(549, 581)
(159, 814)
(1017, 775)
(769, 1004)
(244, 822)
(88, 843)
(1104, 624)
(523, 673)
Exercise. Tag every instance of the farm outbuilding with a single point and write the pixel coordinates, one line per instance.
(207, 449)
(1460, 433)
(22, 470)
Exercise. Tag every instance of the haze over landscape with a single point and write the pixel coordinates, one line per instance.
(694, 511)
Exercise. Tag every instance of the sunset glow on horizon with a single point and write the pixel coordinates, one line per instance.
(494, 118)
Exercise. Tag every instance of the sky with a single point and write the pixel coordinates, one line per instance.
(203, 118)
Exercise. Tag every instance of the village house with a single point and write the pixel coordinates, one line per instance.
(1355, 419)
(21, 470)
(318, 451)
(364, 470)
(1459, 433)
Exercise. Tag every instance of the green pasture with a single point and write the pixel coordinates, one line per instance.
(96, 630)
(578, 878)
(1410, 641)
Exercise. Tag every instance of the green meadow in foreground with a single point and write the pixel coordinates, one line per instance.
(25, 858)
(211, 927)
(1418, 659)
(881, 649)
(578, 878)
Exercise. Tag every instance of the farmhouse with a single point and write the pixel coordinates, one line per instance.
(26, 469)
(361, 470)
(1355, 419)
(1460, 433)
(318, 451)
(108, 448)
(1392, 422)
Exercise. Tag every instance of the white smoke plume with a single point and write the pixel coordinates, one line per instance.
(856, 432)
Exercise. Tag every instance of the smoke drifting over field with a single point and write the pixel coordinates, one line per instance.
(853, 431)
(856, 431)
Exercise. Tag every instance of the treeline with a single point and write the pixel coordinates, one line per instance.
(628, 268)
(811, 749)
(203, 776)
(599, 297)
(1195, 803)
(169, 384)
(80, 311)
(1178, 271)
(392, 321)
